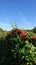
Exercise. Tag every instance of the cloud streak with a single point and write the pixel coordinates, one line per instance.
(27, 24)
(5, 26)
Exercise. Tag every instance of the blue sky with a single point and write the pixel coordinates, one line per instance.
(21, 11)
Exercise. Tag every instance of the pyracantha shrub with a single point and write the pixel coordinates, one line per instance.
(33, 40)
(18, 49)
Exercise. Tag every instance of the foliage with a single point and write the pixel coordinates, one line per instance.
(34, 30)
(3, 33)
(17, 49)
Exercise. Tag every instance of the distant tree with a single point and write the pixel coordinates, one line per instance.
(1, 29)
(34, 30)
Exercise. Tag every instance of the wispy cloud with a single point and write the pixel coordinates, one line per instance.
(5, 26)
(21, 20)
(27, 24)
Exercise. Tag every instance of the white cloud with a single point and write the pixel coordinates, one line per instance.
(5, 26)
(27, 24)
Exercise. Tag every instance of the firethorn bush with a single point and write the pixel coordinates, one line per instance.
(17, 49)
